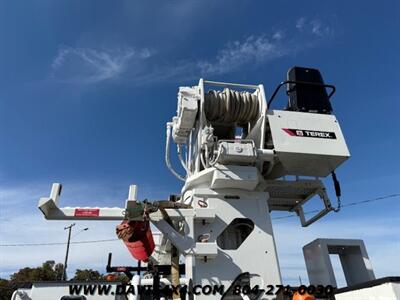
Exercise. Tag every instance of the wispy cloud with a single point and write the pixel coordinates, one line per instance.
(314, 26)
(142, 66)
(250, 52)
(247, 53)
(320, 29)
(300, 23)
(88, 65)
(253, 49)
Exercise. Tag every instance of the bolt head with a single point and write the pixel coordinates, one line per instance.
(238, 149)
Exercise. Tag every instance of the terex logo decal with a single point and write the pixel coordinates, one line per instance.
(310, 133)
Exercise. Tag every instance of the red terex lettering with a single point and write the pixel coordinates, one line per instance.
(87, 212)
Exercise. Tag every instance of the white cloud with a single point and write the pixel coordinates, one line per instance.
(300, 23)
(320, 29)
(140, 66)
(88, 65)
(315, 27)
(74, 65)
(278, 35)
(247, 53)
(254, 49)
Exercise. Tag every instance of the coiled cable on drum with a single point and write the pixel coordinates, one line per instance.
(231, 107)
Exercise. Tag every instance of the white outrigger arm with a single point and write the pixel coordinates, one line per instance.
(51, 210)
(134, 210)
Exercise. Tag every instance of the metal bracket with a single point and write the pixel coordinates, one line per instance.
(186, 244)
(183, 243)
(51, 210)
(327, 208)
(285, 195)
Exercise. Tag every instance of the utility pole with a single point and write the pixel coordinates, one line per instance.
(66, 254)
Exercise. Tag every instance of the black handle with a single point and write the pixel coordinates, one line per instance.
(301, 83)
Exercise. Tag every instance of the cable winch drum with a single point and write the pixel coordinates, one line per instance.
(229, 106)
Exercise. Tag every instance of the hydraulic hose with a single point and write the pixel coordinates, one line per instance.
(167, 161)
(179, 150)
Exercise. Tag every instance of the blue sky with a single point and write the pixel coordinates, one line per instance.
(87, 86)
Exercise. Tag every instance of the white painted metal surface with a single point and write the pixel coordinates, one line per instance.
(317, 150)
(353, 256)
(257, 254)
